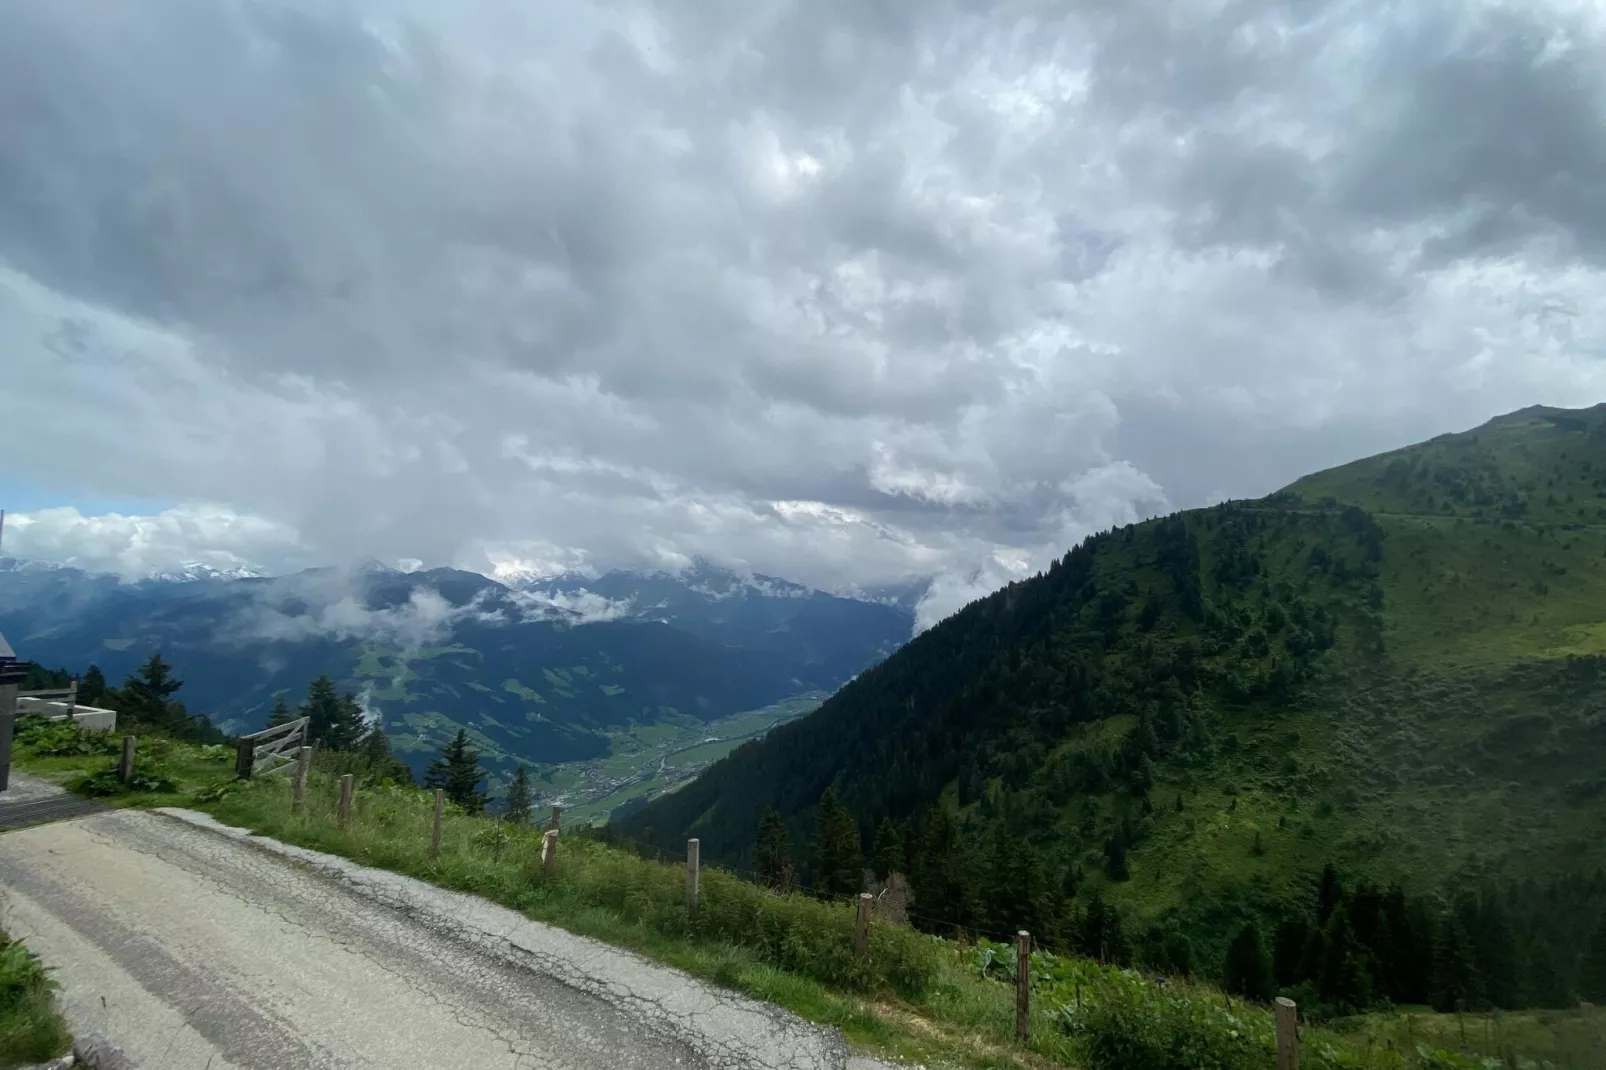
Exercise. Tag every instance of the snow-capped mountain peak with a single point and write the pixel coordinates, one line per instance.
(190, 571)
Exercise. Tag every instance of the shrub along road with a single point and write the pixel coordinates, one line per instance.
(192, 945)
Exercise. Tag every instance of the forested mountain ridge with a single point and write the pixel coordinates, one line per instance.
(1394, 668)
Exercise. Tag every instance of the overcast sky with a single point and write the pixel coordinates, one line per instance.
(844, 290)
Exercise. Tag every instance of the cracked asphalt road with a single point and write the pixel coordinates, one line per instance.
(188, 944)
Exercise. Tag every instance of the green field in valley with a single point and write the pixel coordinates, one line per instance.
(648, 760)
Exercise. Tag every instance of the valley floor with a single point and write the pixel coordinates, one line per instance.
(188, 944)
(648, 760)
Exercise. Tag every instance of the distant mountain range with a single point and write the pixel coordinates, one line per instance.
(539, 670)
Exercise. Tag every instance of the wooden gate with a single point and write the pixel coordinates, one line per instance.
(271, 749)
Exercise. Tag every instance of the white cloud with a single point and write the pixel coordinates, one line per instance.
(133, 546)
(330, 608)
(832, 296)
(580, 607)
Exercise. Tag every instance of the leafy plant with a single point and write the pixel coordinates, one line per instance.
(30, 1029)
(104, 783)
(61, 739)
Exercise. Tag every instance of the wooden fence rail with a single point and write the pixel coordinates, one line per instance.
(271, 749)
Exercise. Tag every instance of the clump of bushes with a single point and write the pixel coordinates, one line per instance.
(152, 772)
(60, 739)
(103, 783)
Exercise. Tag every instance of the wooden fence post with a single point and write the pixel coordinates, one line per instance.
(1023, 985)
(861, 925)
(557, 818)
(435, 830)
(346, 784)
(298, 785)
(244, 757)
(549, 851)
(1287, 1034)
(125, 767)
(694, 878)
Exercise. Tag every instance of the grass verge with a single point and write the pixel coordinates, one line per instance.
(31, 1029)
(913, 997)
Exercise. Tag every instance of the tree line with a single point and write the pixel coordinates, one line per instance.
(145, 698)
(346, 737)
(1343, 949)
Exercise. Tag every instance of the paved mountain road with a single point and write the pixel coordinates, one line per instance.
(190, 945)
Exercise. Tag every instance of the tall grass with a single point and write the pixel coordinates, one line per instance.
(937, 1001)
(31, 1031)
(912, 994)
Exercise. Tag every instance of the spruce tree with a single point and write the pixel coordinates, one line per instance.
(938, 866)
(836, 848)
(376, 755)
(1099, 933)
(1592, 965)
(336, 721)
(350, 725)
(1288, 947)
(1247, 971)
(148, 693)
(772, 854)
(1329, 893)
(322, 709)
(1455, 980)
(888, 850)
(92, 689)
(1343, 979)
(281, 713)
(457, 772)
(1115, 857)
(520, 800)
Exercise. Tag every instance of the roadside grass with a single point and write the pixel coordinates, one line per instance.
(914, 997)
(31, 1029)
(1571, 1038)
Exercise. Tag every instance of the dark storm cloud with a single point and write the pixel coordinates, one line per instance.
(842, 291)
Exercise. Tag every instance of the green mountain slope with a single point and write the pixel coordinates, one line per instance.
(1393, 667)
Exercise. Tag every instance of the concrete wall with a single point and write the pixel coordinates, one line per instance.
(88, 718)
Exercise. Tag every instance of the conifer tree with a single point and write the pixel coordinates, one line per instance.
(148, 693)
(376, 755)
(1329, 893)
(336, 721)
(520, 800)
(1100, 934)
(1115, 857)
(322, 709)
(1592, 965)
(1247, 971)
(939, 866)
(280, 714)
(349, 727)
(92, 689)
(1288, 948)
(773, 852)
(1455, 980)
(836, 848)
(1343, 979)
(457, 772)
(888, 850)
